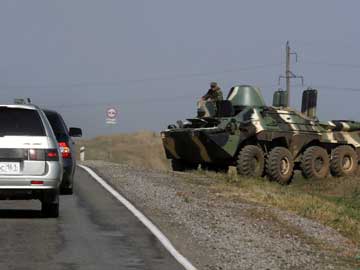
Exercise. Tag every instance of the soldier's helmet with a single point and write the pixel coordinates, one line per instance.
(213, 84)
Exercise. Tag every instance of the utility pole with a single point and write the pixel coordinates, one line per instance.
(288, 73)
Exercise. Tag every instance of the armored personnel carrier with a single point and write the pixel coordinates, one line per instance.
(263, 140)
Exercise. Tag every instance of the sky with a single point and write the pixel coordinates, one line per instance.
(152, 60)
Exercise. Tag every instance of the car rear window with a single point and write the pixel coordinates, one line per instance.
(57, 125)
(20, 122)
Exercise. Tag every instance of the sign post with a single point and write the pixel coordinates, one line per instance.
(82, 153)
(111, 120)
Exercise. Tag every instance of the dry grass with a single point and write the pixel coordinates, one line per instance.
(333, 202)
(142, 149)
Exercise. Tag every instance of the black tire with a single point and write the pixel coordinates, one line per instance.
(192, 167)
(50, 210)
(358, 153)
(205, 167)
(344, 161)
(280, 165)
(66, 187)
(66, 190)
(251, 161)
(50, 203)
(315, 163)
(179, 165)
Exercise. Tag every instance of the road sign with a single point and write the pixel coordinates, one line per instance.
(111, 114)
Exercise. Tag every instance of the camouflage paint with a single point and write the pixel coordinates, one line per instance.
(215, 139)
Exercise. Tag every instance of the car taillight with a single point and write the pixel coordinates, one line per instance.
(52, 155)
(36, 182)
(65, 150)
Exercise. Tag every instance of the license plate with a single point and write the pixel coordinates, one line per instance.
(9, 167)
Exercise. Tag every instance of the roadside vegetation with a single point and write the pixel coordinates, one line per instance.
(143, 149)
(334, 202)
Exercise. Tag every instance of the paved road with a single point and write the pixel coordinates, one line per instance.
(94, 232)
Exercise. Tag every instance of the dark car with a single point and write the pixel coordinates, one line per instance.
(67, 148)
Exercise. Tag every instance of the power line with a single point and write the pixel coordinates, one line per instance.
(122, 102)
(173, 99)
(178, 76)
(341, 65)
(337, 88)
(321, 87)
(143, 100)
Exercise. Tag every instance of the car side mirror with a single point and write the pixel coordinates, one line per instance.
(75, 132)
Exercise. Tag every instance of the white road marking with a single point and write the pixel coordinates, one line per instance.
(148, 224)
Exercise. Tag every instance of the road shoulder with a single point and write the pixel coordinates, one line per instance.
(217, 233)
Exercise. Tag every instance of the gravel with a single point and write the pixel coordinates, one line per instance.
(219, 233)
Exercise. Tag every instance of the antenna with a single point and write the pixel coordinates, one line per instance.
(288, 73)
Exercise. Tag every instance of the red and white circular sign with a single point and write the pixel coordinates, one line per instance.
(111, 113)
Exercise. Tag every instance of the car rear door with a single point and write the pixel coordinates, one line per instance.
(23, 142)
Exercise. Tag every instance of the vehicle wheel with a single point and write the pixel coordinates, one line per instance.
(66, 190)
(251, 161)
(205, 167)
(66, 187)
(50, 209)
(344, 161)
(50, 203)
(179, 165)
(280, 165)
(315, 163)
(358, 153)
(192, 167)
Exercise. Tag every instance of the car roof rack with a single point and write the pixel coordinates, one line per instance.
(22, 101)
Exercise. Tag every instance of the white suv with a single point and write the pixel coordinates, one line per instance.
(30, 160)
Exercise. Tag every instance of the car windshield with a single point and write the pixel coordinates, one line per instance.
(20, 122)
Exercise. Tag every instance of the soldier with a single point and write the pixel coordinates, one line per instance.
(214, 93)
(207, 104)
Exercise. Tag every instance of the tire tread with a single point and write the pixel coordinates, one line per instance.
(243, 165)
(307, 159)
(272, 166)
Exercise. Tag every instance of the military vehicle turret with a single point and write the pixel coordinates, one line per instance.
(262, 140)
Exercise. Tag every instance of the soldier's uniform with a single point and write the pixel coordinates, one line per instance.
(207, 104)
(214, 93)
